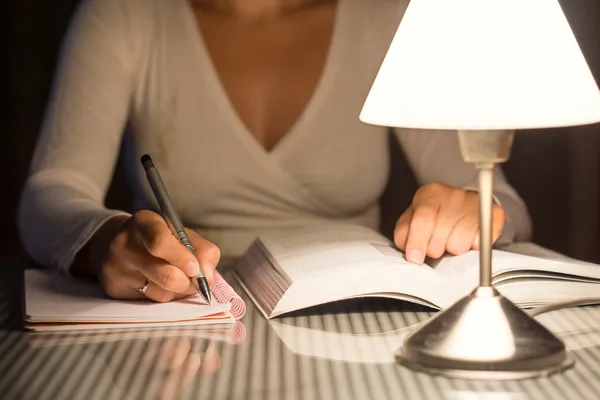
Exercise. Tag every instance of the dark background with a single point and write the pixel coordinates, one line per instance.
(545, 166)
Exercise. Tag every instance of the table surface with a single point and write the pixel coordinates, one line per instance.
(339, 351)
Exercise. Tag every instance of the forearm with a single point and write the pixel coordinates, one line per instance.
(62, 205)
(518, 226)
(58, 214)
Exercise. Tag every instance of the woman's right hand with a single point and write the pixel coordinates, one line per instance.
(144, 249)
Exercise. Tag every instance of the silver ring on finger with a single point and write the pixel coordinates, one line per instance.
(143, 289)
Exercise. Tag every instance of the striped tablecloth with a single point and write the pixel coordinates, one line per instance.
(342, 351)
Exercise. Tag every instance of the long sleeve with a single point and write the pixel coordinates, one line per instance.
(62, 204)
(435, 157)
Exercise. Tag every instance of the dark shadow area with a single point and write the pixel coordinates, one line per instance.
(12, 299)
(359, 306)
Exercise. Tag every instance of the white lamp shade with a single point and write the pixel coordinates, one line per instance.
(483, 65)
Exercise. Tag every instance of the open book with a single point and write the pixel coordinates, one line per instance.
(56, 302)
(312, 266)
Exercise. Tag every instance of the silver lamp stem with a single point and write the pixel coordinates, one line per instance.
(485, 150)
(486, 202)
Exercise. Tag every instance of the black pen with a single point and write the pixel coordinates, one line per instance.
(173, 220)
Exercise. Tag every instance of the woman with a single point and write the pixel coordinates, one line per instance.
(250, 110)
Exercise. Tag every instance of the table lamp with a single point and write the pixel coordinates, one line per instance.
(483, 68)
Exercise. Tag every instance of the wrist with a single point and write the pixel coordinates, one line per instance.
(476, 190)
(89, 260)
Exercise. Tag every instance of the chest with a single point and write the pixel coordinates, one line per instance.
(269, 70)
(189, 101)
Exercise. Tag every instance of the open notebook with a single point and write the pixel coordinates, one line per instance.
(312, 266)
(228, 333)
(56, 302)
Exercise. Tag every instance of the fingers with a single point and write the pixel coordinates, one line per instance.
(456, 223)
(176, 350)
(442, 219)
(421, 228)
(125, 288)
(181, 350)
(119, 284)
(169, 282)
(442, 235)
(146, 250)
(123, 285)
(208, 254)
(211, 361)
(463, 235)
(401, 230)
(166, 276)
(160, 295)
(181, 364)
(155, 236)
(133, 261)
(498, 222)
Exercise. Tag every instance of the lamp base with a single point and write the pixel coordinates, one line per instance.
(484, 336)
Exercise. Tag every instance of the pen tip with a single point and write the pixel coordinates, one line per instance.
(201, 285)
(204, 289)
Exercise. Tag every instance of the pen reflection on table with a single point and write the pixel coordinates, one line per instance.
(174, 222)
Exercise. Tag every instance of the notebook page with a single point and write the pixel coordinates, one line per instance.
(46, 327)
(51, 296)
(231, 333)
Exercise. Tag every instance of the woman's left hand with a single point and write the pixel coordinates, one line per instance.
(442, 219)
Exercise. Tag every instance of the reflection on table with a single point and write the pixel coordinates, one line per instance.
(119, 363)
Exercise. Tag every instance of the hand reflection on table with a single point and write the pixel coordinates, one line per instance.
(144, 363)
(180, 362)
(166, 366)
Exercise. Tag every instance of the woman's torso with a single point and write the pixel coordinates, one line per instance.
(232, 174)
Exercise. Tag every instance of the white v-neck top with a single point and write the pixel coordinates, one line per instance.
(142, 64)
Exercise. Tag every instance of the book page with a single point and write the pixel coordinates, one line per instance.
(541, 292)
(299, 241)
(305, 253)
(339, 262)
(466, 267)
(54, 297)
